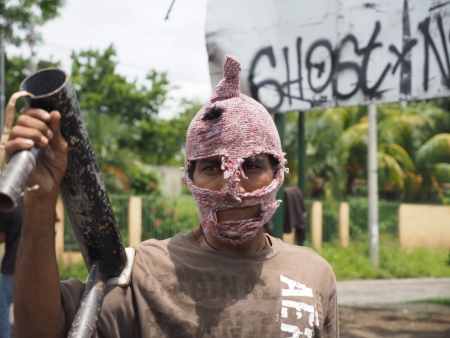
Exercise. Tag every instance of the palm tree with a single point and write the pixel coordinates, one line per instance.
(411, 148)
(433, 159)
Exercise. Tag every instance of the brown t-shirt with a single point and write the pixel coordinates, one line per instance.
(181, 290)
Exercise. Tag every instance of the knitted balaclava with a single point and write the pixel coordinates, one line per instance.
(233, 126)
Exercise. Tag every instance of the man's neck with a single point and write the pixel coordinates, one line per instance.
(210, 242)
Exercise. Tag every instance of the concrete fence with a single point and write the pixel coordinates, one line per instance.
(418, 226)
(135, 228)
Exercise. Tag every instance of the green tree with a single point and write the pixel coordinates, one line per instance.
(123, 122)
(17, 16)
(161, 142)
(102, 90)
(325, 160)
(411, 148)
(433, 159)
(412, 127)
(16, 21)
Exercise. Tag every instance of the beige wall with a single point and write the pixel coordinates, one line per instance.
(424, 226)
(172, 184)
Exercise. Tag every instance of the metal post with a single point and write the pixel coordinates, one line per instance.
(278, 216)
(2, 78)
(32, 43)
(301, 152)
(373, 186)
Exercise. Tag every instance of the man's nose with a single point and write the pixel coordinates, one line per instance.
(224, 184)
(241, 188)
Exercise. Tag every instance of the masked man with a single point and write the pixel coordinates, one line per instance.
(224, 279)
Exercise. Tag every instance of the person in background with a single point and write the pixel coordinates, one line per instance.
(294, 213)
(10, 226)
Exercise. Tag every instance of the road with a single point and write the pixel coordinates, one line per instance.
(385, 291)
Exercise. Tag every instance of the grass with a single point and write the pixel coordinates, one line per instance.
(71, 270)
(436, 301)
(394, 262)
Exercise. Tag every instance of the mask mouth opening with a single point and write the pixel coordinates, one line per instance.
(252, 219)
(237, 229)
(236, 214)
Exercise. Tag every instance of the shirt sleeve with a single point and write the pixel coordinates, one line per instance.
(331, 322)
(71, 292)
(118, 314)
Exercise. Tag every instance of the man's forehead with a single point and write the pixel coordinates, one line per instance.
(252, 158)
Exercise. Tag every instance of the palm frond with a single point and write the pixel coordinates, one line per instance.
(354, 135)
(435, 150)
(390, 171)
(399, 153)
(442, 172)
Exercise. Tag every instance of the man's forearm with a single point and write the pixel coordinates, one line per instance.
(37, 299)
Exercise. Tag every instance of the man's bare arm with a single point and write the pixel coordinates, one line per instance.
(38, 310)
(37, 297)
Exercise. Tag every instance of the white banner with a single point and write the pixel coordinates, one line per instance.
(303, 55)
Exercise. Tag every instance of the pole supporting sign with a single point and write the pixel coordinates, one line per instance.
(303, 55)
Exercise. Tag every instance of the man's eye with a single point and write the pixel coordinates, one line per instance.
(250, 167)
(211, 168)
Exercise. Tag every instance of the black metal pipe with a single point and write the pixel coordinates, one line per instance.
(82, 189)
(85, 321)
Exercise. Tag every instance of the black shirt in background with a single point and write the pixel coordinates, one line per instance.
(10, 224)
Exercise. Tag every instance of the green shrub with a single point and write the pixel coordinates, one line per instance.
(163, 217)
(72, 270)
(394, 262)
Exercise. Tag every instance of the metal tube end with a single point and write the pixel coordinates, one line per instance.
(7, 204)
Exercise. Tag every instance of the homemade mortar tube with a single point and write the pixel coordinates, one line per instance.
(82, 189)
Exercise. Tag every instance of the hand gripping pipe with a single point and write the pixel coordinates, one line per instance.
(82, 189)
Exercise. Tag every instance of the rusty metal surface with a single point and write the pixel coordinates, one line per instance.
(91, 302)
(15, 177)
(82, 189)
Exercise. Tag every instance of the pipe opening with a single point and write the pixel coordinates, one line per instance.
(7, 204)
(44, 82)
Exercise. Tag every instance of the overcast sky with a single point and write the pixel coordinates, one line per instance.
(143, 39)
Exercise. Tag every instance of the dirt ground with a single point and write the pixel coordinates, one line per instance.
(395, 320)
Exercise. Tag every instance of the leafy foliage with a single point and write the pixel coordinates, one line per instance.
(18, 15)
(123, 121)
(162, 141)
(102, 90)
(413, 146)
(395, 262)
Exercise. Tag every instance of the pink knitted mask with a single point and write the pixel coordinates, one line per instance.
(234, 127)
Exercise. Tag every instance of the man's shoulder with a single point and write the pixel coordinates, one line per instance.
(158, 248)
(303, 255)
(161, 243)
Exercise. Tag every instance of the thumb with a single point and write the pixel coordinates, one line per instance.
(54, 124)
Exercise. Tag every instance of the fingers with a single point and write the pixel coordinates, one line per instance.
(57, 141)
(34, 127)
(54, 124)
